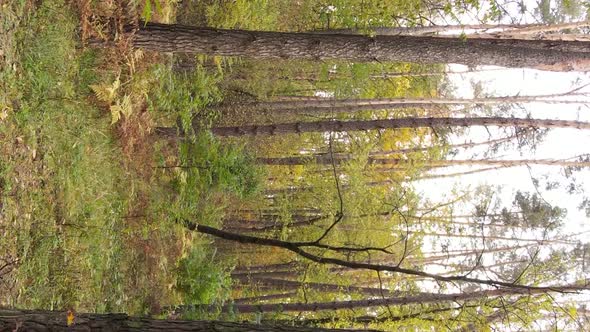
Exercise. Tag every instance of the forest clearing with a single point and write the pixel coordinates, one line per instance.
(270, 165)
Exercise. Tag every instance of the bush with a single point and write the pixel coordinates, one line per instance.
(202, 280)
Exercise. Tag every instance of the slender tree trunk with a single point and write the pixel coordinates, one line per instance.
(466, 145)
(443, 257)
(491, 237)
(402, 300)
(414, 102)
(326, 155)
(508, 29)
(471, 52)
(320, 287)
(261, 227)
(247, 276)
(343, 158)
(362, 125)
(432, 73)
(40, 320)
(369, 319)
(295, 110)
(266, 268)
(450, 175)
(257, 299)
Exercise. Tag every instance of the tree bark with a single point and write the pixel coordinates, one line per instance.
(383, 103)
(259, 44)
(351, 108)
(40, 320)
(360, 125)
(340, 159)
(402, 300)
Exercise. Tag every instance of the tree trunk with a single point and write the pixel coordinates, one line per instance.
(450, 175)
(507, 29)
(320, 287)
(360, 125)
(40, 320)
(257, 299)
(385, 153)
(402, 300)
(447, 256)
(433, 73)
(340, 159)
(368, 319)
(492, 237)
(259, 44)
(384, 103)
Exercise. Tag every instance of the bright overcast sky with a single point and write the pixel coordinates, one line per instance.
(558, 144)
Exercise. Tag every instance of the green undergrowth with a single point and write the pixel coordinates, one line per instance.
(89, 225)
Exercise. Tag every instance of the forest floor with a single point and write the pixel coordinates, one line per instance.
(87, 218)
(91, 200)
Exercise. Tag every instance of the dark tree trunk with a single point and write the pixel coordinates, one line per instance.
(471, 52)
(342, 126)
(40, 320)
(401, 300)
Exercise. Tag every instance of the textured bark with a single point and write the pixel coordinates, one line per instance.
(311, 104)
(39, 320)
(471, 52)
(340, 159)
(368, 319)
(402, 300)
(342, 126)
(333, 110)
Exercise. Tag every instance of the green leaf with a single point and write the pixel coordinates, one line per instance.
(147, 11)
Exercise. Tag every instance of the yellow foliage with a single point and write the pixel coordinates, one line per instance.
(106, 92)
(70, 318)
(121, 107)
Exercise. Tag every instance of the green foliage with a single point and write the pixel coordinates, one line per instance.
(242, 14)
(208, 168)
(148, 10)
(203, 279)
(64, 178)
(533, 211)
(185, 95)
(74, 213)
